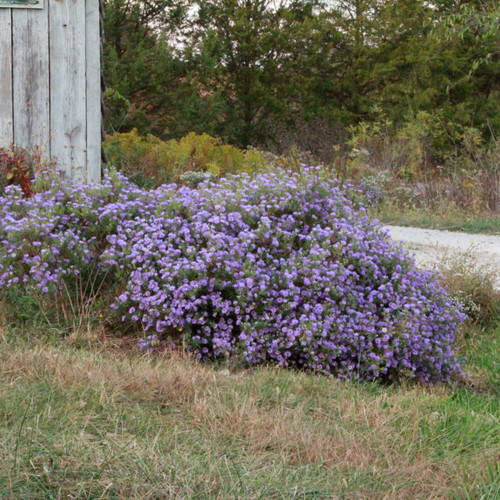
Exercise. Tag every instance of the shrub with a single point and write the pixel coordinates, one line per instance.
(50, 244)
(401, 167)
(163, 162)
(280, 268)
(132, 154)
(18, 167)
(474, 286)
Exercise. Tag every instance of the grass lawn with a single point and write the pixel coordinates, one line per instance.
(444, 220)
(84, 418)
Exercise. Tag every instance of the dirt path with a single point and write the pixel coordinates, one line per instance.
(431, 246)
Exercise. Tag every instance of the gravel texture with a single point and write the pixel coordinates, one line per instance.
(433, 247)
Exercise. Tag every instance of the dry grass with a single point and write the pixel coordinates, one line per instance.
(105, 423)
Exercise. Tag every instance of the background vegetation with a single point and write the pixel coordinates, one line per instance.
(402, 96)
(246, 71)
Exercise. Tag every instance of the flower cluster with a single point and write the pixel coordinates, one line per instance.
(277, 268)
(151, 343)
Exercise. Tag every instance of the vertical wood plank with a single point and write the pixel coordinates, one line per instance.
(93, 61)
(67, 86)
(6, 119)
(30, 58)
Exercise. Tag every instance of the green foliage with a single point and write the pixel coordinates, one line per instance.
(409, 151)
(245, 70)
(140, 66)
(148, 160)
(249, 63)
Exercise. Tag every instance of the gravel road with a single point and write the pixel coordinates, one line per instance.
(432, 247)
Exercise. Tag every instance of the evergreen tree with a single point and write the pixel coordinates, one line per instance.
(248, 59)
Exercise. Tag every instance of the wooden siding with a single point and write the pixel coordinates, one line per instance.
(6, 119)
(50, 83)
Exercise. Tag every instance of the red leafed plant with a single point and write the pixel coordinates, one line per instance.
(18, 166)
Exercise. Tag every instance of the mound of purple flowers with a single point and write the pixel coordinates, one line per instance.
(278, 268)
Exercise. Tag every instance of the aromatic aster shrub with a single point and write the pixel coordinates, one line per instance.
(278, 268)
(51, 244)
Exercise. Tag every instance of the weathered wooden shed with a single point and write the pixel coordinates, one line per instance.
(50, 81)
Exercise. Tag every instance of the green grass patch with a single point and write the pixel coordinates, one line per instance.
(438, 219)
(99, 421)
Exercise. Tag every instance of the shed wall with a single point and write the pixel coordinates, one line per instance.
(50, 86)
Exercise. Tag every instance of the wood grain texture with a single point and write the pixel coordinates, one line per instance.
(68, 87)
(50, 83)
(30, 60)
(6, 116)
(93, 61)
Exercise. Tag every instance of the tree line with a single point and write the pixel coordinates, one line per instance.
(264, 73)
